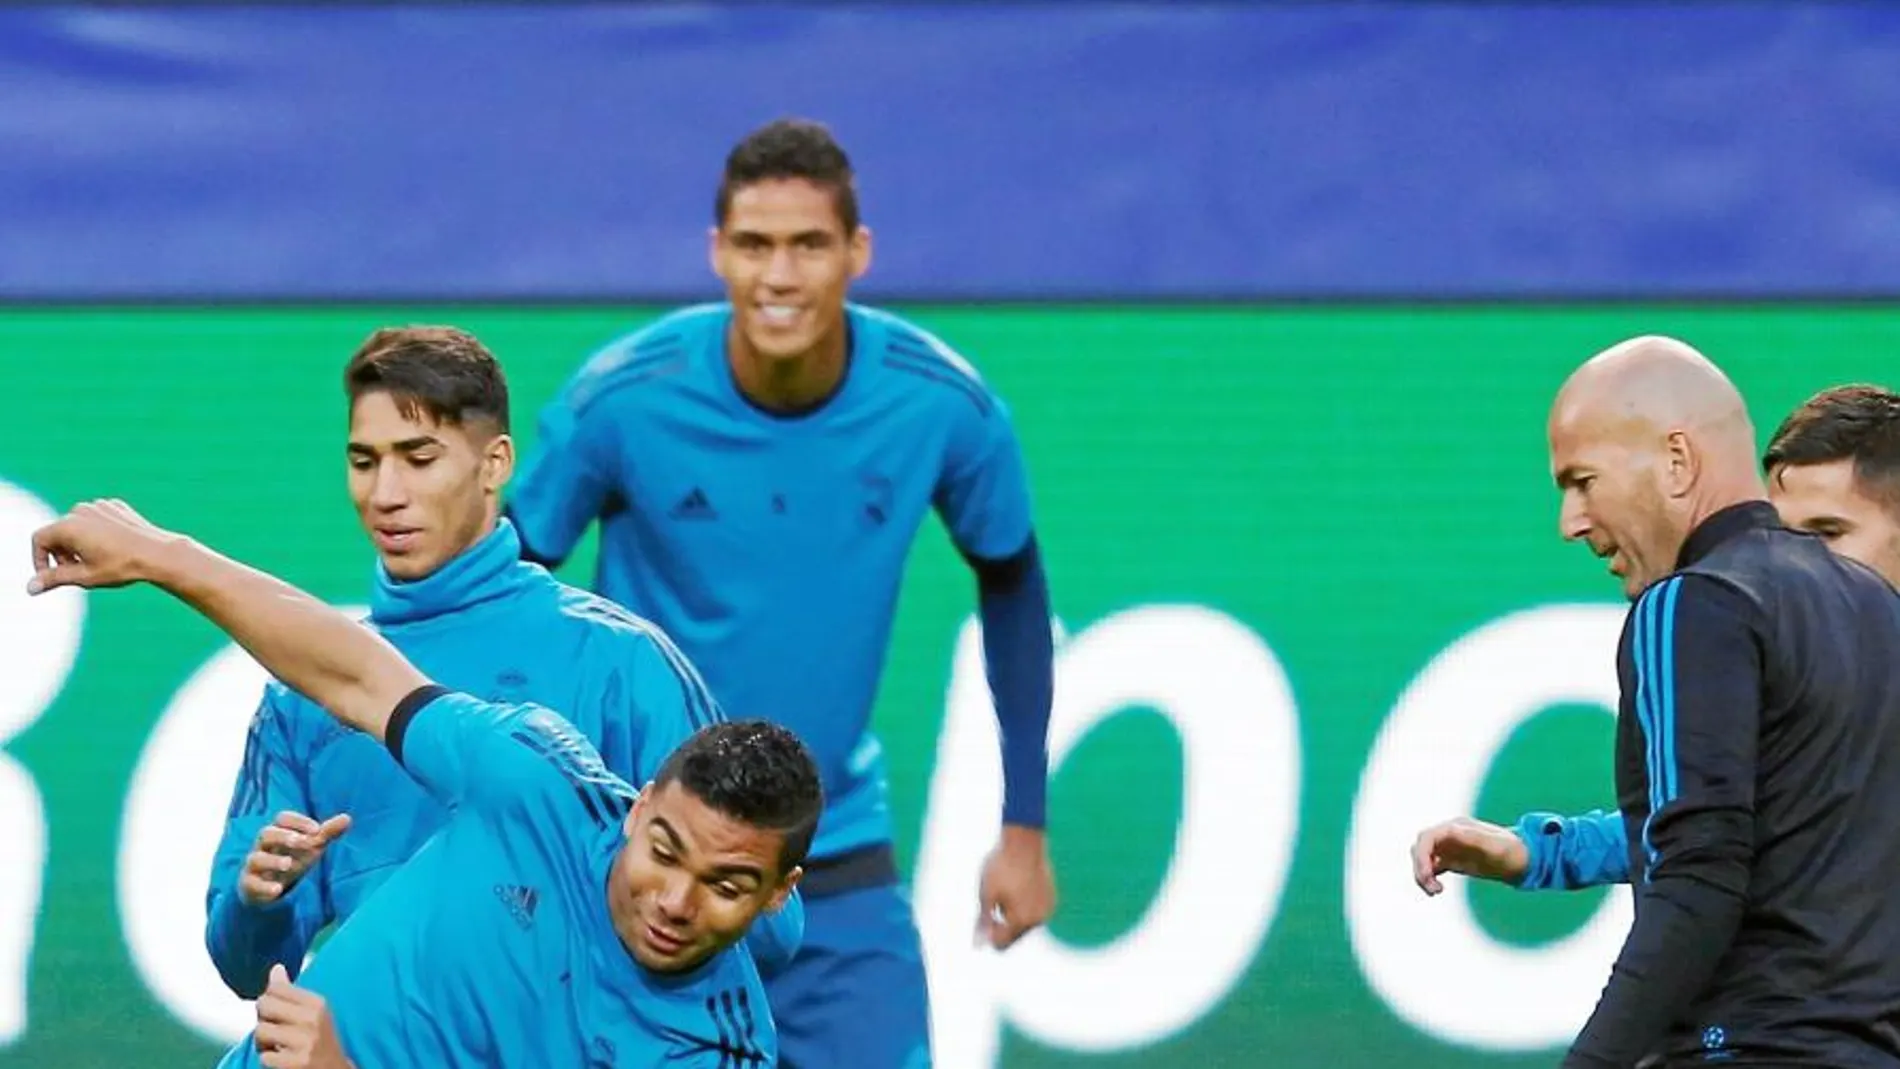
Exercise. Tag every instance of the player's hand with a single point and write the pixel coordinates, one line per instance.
(1470, 847)
(294, 1028)
(1018, 893)
(97, 544)
(284, 851)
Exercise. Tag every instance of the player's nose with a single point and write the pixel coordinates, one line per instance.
(1573, 521)
(781, 270)
(389, 490)
(676, 899)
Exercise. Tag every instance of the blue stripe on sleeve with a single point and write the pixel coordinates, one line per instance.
(1667, 638)
(1656, 699)
(1645, 697)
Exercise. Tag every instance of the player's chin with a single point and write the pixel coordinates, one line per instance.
(779, 344)
(408, 567)
(685, 959)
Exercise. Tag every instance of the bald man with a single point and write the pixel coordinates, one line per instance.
(1833, 470)
(1760, 700)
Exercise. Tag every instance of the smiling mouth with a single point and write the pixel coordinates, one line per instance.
(779, 315)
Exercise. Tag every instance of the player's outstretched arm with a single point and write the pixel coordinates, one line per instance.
(342, 666)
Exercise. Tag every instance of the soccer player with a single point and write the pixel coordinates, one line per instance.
(558, 918)
(1760, 702)
(1833, 469)
(760, 468)
(428, 453)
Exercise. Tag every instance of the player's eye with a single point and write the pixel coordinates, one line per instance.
(421, 460)
(663, 857)
(728, 891)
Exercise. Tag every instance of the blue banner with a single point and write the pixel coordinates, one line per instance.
(1005, 150)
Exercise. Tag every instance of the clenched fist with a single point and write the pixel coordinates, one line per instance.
(1017, 893)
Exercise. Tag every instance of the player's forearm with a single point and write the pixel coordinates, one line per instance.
(1019, 651)
(317, 651)
(1567, 853)
(1684, 926)
(245, 941)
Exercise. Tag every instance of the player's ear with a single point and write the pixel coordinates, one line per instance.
(1682, 464)
(784, 889)
(860, 248)
(712, 251)
(498, 463)
(633, 811)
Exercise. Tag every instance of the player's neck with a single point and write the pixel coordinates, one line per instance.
(792, 383)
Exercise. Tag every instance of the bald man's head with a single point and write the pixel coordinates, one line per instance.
(1647, 439)
(1655, 383)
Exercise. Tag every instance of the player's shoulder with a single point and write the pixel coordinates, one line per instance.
(1778, 567)
(656, 353)
(618, 628)
(599, 616)
(912, 358)
(1703, 594)
(1762, 567)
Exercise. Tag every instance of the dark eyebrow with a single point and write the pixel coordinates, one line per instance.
(407, 445)
(728, 872)
(673, 837)
(801, 235)
(723, 872)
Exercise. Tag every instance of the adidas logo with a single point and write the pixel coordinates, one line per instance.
(694, 506)
(520, 902)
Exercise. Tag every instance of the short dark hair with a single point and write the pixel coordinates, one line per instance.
(791, 148)
(445, 372)
(1857, 422)
(753, 771)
